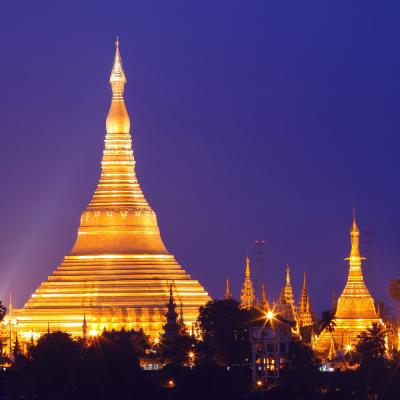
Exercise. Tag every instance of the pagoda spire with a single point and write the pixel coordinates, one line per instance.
(247, 296)
(228, 294)
(117, 77)
(288, 291)
(304, 316)
(264, 305)
(118, 118)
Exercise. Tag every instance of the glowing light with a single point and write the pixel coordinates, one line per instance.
(156, 341)
(349, 348)
(269, 315)
(93, 332)
(191, 355)
(259, 383)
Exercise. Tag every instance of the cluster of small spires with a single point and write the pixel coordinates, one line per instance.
(285, 305)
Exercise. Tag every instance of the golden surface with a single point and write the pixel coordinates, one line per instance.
(247, 297)
(119, 271)
(355, 308)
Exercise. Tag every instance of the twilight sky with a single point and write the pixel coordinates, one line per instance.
(251, 120)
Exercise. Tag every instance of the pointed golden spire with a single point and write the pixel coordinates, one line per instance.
(118, 118)
(264, 305)
(288, 291)
(287, 274)
(228, 295)
(355, 238)
(117, 77)
(304, 316)
(247, 296)
(247, 266)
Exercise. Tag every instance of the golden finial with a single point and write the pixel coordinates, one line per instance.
(247, 265)
(355, 239)
(118, 118)
(287, 274)
(117, 77)
(228, 290)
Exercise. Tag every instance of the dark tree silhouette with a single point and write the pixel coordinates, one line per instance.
(3, 311)
(55, 361)
(300, 374)
(373, 370)
(326, 322)
(224, 326)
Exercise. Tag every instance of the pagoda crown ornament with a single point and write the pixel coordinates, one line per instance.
(247, 298)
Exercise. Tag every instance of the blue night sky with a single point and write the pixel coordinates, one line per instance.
(251, 120)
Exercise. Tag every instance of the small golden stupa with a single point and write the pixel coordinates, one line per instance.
(119, 272)
(355, 310)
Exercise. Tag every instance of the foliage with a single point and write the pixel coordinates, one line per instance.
(176, 349)
(3, 311)
(224, 326)
(55, 360)
(371, 344)
(301, 370)
(326, 322)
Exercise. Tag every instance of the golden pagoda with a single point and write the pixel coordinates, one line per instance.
(119, 272)
(247, 298)
(355, 310)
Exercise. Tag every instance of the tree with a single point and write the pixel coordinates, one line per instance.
(55, 361)
(327, 321)
(224, 326)
(300, 374)
(370, 353)
(371, 344)
(178, 349)
(110, 367)
(3, 311)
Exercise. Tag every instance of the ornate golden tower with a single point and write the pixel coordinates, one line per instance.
(355, 310)
(247, 298)
(285, 305)
(119, 272)
(304, 316)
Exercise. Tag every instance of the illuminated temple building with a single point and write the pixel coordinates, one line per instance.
(355, 310)
(119, 272)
